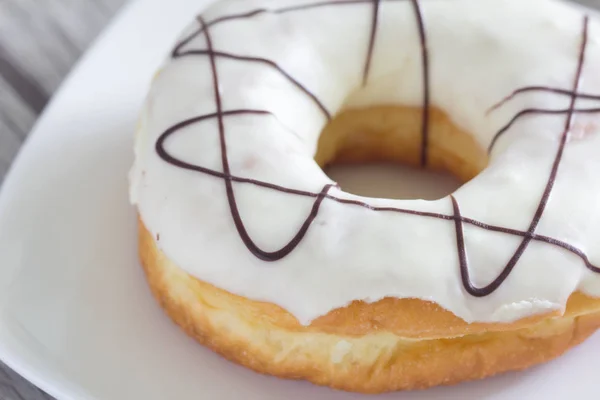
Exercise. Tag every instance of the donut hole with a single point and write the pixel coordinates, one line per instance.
(376, 152)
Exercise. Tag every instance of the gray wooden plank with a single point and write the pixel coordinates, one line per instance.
(14, 387)
(16, 119)
(15, 112)
(23, 85)
(46, 41)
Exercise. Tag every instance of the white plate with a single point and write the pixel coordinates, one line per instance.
(76, 316)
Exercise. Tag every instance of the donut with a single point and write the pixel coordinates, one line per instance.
(255, 252)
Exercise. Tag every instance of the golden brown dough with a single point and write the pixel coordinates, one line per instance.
(394, 344)
(267, 339)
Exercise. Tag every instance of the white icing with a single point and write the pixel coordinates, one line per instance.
(480, 51)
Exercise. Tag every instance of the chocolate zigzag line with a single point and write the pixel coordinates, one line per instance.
(548, 89)
(528, 236)
(374, 24)
(538, 111)
(276, 11)
(235, 213)
(178, 52)
(167, 157)
(270, 63)
(505, 273)
(426, 110)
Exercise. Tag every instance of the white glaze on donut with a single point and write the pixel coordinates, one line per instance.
(480, 52)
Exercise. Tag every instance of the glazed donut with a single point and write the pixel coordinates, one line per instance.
(255, 252)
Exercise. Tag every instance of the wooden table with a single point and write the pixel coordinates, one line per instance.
(39, 42)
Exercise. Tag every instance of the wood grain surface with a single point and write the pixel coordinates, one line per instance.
(40, 40)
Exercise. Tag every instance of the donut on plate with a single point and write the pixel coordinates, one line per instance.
(256, 253)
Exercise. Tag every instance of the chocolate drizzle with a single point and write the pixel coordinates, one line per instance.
(220, 54)
(464, 267)
(374, 26)
(425, 68)
(276, 11)
(538, 111)
(235, 213)
(228, 179)
(426, 82)
(573, 94)
(546, 89)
